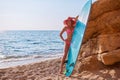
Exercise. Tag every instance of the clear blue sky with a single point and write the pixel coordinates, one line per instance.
(37, 14)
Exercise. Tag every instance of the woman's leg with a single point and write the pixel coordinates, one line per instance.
(64, 57)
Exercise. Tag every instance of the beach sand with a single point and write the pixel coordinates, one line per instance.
(49, 69)
(45, 70)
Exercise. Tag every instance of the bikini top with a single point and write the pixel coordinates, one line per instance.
(69, 31)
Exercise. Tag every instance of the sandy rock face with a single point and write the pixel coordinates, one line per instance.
(102, 36)
(109, 48)
(109, 58)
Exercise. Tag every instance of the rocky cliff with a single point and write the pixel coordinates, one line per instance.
(100, 50)
(102, 36)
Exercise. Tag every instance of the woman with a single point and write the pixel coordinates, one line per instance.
(70, 24)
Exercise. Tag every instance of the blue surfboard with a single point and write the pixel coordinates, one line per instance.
(77, 38)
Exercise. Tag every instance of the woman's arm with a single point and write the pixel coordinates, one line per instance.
(76, 18)
(63, 30)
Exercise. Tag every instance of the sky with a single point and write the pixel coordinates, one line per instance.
(37, 14)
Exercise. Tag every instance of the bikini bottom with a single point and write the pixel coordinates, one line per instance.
(67, 43)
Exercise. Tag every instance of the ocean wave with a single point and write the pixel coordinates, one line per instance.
(22, 58)
(55, 49)
(2, 56)
(56, 41)
(18, 58)
(37, 43)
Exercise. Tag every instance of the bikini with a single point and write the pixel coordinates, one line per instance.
(68, 32)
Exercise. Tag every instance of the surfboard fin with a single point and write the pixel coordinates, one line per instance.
(66, 61)
(72, 64)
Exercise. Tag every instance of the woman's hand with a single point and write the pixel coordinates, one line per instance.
(76, 18)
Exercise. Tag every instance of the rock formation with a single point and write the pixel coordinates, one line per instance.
(102, 36)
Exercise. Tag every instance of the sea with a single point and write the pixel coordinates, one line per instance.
(19, 47)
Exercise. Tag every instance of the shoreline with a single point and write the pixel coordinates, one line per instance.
(15, 63)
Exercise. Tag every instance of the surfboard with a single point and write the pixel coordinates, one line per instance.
(77, 38)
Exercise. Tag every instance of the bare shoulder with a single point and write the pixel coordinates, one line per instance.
(65, 28)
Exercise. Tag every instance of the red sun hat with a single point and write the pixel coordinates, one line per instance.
(73, 21)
